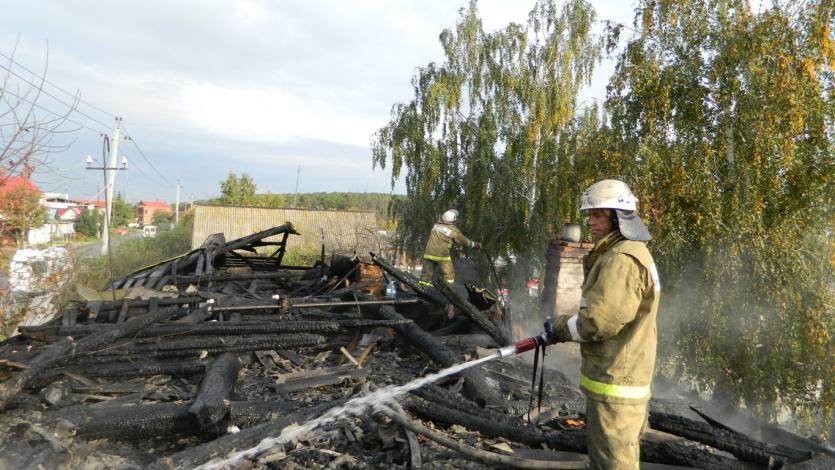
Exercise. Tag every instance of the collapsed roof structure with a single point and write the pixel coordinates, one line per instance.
(224, 348)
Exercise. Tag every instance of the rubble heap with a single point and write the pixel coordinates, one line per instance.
(196, 357)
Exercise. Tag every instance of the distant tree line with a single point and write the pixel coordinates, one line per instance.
(242, 191)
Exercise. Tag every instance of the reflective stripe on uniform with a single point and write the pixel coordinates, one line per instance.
(572, 327)
(611, 390)
(437, 258)
(424, 283)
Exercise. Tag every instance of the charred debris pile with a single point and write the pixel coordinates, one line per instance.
(211, 352)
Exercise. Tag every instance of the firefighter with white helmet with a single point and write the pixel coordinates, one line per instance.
(436, 255)
(615, 326)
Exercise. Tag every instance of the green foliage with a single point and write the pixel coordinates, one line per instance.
(123, 213)
(238, 191)
(722, 121)
(482, 131)
(135, 254)
(21, 211)
(163, 218)
(88, 223)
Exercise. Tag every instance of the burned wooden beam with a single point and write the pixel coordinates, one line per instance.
(189, 346)
(475, 385)
(65, 349)
(209, 407)
(246, 438)
(140, 303)
(654, 448)
(159, 420)
(304, 380)
(738, 445)
(292, 304)
(178, 368)
(479, 318)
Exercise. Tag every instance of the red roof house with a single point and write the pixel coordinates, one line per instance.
(145, 211)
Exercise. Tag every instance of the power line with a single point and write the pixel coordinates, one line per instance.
(130, 138)
(12, 60)
(55, 114)
(42, 90)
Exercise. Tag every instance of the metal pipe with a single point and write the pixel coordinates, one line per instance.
(351, 303)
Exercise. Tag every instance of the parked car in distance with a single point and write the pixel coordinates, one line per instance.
(149, 231)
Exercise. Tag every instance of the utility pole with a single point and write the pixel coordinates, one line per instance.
(177, 205)
(109, 168)
(110, 177)
(296, 196)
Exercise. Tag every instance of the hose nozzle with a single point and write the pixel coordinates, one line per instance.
(523, 345)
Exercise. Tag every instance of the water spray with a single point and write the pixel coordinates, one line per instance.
(362, 404)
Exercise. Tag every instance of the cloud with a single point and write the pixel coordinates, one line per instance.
(271, 114)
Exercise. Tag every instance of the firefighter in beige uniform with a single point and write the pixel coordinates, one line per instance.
(436, 255)
(615, 326)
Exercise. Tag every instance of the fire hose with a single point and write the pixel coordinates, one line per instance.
(536, 343)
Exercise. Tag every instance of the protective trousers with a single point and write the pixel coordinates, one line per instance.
(427, 274)
(613, 432)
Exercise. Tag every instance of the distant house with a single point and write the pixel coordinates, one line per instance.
(68, 214)
(35, 236)
(145, 211)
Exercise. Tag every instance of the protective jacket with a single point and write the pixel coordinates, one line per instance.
(616, 322)
(441, 238)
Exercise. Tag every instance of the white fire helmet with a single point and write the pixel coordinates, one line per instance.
(450, 216)
(614, 194)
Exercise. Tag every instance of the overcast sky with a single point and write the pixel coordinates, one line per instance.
(211, 86)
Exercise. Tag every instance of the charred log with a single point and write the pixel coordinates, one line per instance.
(65, 349)
(137, 369)
(127, 423)
(738, 445)
(247, 438)
(475, 315)
(653, 448)
(197, 347)
(209, 407)
(475, 386)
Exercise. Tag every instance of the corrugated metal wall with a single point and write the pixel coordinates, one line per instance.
(343, 232)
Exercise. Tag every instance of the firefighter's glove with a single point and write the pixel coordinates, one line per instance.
(476, 246)
(549, 335)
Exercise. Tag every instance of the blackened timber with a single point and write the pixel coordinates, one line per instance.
(739, 445)
(345, 303)
(126, 423)
(254, 239)
(305, 382)
(177, 368)
(670, 451)
(280, 275)
(209, 407)
(65, 349)
(244, 439)
(275, 342)
(211, 342)
(138, 303)
(475, 385)
(475, 315)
